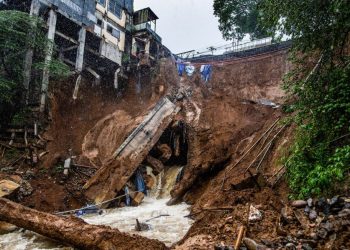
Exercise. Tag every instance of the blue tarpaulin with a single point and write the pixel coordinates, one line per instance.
(140, 183)
(206, 71)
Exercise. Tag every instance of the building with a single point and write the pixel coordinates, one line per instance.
(96, 37)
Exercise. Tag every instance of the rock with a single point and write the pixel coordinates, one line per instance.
(140, 226)
(25, 189)
(306, 247)
(309, 202)
(328, 226)
(307, 209)
(314, 236)
(6, 228)
(334, 200)
(322, 233)
(29, 174)
(290, 246)
(252, 245)
(254, 214)
(287, 214)
(7, 187)
(312, 215)
(310, 243)
(345, 212)
(299, 204)
(323, 205)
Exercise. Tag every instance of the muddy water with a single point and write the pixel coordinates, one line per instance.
(167, 223)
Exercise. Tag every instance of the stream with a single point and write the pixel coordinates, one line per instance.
(167, 223)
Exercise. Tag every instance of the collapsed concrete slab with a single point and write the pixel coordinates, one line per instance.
(113, 176)
(71, 230)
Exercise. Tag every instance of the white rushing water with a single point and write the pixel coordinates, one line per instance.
(169, 226)
(168, 229)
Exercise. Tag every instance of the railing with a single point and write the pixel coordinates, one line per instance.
(147, 26)
(230, 48)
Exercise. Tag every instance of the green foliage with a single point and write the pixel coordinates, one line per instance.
(238, 18)
(318, 87)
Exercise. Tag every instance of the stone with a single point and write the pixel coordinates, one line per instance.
(307, 209)
(6, 228)
(313, 236)
(299, 204)
(290, 246)
(254, 214)
(25, 189)
(313, 215)
(252, 245)
(8, 187)
(343, 213)
(287, 213)
(306, 247)
(328, 226)
(309, 202)
(322, 233)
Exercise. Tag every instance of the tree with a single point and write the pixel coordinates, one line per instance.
(318, 85)
(14, 42)
(238, 18)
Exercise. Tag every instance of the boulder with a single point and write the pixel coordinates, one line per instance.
(299, 204)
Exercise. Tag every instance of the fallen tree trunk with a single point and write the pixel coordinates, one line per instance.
(72, 230)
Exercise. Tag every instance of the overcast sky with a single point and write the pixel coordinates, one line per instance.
(185, 24)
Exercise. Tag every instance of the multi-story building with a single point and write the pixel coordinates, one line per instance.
(94, 36)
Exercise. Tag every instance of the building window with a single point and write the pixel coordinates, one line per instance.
(115, 7)
(102, 2)
(99, 22)
(113, 31)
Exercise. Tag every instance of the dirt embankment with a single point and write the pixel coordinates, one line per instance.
(231, 120)
(229, 113)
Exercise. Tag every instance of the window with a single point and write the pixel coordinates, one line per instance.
(115, 7)
(99, 22)
(113, 31)
(102, 2)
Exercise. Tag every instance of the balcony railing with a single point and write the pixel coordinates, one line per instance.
(147, 26)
